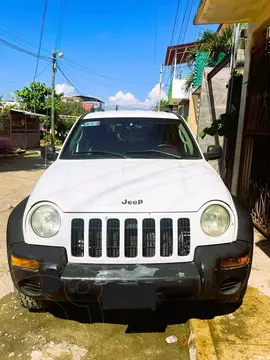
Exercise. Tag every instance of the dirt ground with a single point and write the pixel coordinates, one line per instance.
(17, 180)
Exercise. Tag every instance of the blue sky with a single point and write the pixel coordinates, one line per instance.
(122, 43)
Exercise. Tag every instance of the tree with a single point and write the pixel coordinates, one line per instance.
(71, 108)
(34, 97)
(214, 45)
(163, 105)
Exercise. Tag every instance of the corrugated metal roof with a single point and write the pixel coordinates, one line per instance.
(17, 111)
(182, 51)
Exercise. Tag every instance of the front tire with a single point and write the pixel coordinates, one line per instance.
(234, 302)
(31, 303)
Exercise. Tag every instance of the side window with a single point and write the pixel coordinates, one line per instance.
(186, 140)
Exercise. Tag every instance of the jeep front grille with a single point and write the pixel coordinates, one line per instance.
(149, 238)
(95, 235)
(166, 237)
(183, 237)
(113, 238)
(130, 238)
(77, 237)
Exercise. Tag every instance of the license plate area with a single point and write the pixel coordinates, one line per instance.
(129, 296)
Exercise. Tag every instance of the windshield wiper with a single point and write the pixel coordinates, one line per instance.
(100, 152)
(154, 151)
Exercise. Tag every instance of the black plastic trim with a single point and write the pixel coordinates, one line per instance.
(245, 224)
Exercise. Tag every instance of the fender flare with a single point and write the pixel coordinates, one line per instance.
(245, 224)
(14, 233)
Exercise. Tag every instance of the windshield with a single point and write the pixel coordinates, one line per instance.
(130, 138)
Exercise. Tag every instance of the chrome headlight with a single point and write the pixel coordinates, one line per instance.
(46, 221)
(215, 220)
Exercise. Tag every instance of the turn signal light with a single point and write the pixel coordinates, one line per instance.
(25, 263)
(234, 262)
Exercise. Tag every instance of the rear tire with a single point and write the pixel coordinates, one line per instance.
(31, 303)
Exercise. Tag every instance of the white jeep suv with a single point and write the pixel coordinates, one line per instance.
(130, 213)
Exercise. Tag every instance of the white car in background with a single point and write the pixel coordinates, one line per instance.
(130, 213)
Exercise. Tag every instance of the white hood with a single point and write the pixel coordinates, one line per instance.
(102, 185)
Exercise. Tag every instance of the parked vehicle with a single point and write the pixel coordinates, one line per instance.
(131, 213)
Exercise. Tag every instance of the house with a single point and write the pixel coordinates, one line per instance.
(251, 170)
(89, 103)
(21, 129)
(203, 92)
(178, 95)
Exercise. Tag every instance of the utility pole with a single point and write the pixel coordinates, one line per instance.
(53, 91)
(160, 86)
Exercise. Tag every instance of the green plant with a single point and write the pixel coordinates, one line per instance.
(215, 45)
(5, 111)
(226, 126)
(71, 108)
(163, 105)
(189, 80)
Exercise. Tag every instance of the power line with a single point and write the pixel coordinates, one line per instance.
(91, 80)
(63, 4)
(175, 21)
(82, 68)
(183, 28)
(41, 36)
(15, 47)
(71, 64)
(183, 20)
(85, 69)
(42, 71)
(21, 38)
(185, 31)
(69, 81)
(166, 72)
(156, 31)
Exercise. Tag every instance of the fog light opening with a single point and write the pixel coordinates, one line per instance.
(230, 286)
(234, 262)
(25, 263)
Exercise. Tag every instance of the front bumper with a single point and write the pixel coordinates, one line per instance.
(201, 279)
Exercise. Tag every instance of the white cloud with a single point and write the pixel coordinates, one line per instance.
(128, 100)
(64, 88)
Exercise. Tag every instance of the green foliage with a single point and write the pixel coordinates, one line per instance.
(71, 108)
(68, 108)
(163, 105)
(189, 80)
(4, 112)
(226, 126)
(213, 45)
(39, 95)
(62, 126)
(35, 95)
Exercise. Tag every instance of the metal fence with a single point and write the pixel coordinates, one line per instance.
(4, 127)
(254, 181)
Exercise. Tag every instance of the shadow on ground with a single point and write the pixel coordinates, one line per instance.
(32, 162)
(140, 321)
(264, 245)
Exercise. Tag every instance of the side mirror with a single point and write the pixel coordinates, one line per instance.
(214, 152)
(48, 152)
